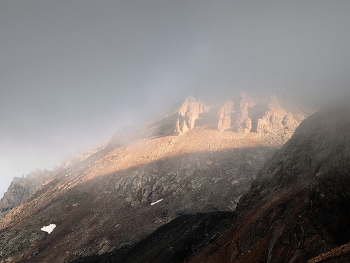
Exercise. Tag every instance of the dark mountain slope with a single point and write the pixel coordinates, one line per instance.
(301, 198)
(172, 242)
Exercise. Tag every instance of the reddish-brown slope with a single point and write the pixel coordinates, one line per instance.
(299, 201)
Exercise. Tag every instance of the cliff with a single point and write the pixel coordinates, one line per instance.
(188, 114)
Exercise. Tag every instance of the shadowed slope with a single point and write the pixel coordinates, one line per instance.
(98, 208)
(172, 242)
(299, 200)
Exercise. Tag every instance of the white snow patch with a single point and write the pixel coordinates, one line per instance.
(48, 228)
(156, 201)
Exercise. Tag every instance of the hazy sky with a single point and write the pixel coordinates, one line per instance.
(72, 72)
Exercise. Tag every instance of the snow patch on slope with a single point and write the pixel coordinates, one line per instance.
(156, 202)
(48, 228)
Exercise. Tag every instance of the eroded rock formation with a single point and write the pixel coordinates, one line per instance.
(276, 120)
(188, 114)
(224, 116)
(262, 116)
(243, 102)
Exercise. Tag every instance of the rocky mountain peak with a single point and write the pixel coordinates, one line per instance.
(188, 114)
(224, 115)
(274, 104)
(109, 198)
(296, 208)
(245, 114)
(36, 173)
(243, 123)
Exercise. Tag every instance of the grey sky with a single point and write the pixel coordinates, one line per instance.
(72, 72)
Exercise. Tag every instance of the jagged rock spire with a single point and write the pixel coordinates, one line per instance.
(224, 116)
(188, 114)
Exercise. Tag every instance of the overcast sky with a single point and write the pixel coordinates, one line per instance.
(72, 72)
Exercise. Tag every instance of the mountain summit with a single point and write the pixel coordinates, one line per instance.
(296, 210)
(201, 158)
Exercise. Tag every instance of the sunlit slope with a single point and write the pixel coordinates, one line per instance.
(106, 198)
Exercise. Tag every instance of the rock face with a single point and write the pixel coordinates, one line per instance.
(243, 122)
(21, 189)
(246, 115)
(105, 200)
(188, 114)
(276, 120)
(225, 116)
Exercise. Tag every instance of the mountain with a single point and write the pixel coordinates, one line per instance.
(297, 207)
(21, 189)
(199, 158)
(296, 210)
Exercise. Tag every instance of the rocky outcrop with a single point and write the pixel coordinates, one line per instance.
(243, 115)
(276, 120)
(21, 189)
(188, 114)
(244, 102)
(225, 116)
(336, 255)
(258, 115)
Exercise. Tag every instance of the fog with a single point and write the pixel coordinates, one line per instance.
(72, 72)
